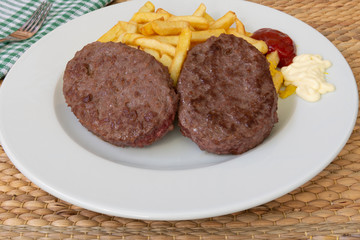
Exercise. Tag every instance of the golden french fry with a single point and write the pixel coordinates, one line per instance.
(277, 76)
(209, 18)
(173, 40)
(166, 60)
(139, 26)
(152, 52)
(147, 29)
(249, 34)
(154, 44)
(273, 58)
(259, 44)
(180, 54)
(240, 26)
(118, 29)
(112, 34)
(132, 46)
(129, 38)
(120, 37)
(196, 22)
(289, 90)
(200, 10)
(147, 7)
(168, 27)
(192, 28)
(126, 27)
(201, 36)
(160, 10)
(130, 27)
(225, 21)
(145, 17)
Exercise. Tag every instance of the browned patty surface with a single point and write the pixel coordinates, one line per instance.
(121, 94)
(228, 101)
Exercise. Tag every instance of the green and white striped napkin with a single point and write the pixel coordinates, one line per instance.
(14, 13)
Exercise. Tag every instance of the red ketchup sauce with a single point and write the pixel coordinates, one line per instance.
(277, 41)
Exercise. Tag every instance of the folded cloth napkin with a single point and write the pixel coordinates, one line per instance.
(14, 13)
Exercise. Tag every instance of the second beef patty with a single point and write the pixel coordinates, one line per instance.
(228, 102)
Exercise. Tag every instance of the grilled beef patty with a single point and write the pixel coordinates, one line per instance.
(228, 101)
(121, 94)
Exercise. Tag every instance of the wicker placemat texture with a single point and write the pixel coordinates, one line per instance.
(328, 205)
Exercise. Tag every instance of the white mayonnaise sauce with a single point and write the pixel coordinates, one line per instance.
(307, 73)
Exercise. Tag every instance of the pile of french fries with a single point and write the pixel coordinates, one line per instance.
(168, 37)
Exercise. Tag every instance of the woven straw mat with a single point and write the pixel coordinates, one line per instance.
(328, 205)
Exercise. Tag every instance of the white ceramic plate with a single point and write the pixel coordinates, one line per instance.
(172, 179)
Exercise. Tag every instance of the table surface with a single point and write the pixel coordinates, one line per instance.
(326, 207)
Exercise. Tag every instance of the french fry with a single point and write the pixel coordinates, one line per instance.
(113, 33)
(273, 58)
(225, 21)
(145, 17)
(278, 79)
(172, 40)
(147, 7)
(240, 27)
(168, 27)
(129, 38)
(288, 91)
(259, 44)
(209, 18)
(201, 36)
(200, 11)
(152, 52)
(118, 29)
(147, 29)
(160, 10)
(166, 60)
(154, 44)
(199, 23)
(129, 27)
(180, 54)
